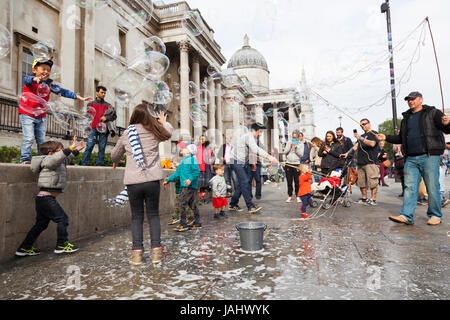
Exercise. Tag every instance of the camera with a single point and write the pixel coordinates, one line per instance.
(355, 131)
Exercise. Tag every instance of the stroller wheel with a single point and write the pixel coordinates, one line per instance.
(347, 204)
(327, 204)
(314, 204)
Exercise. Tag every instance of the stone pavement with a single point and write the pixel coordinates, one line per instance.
(355, 254)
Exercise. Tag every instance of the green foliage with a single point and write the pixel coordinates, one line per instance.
(387, 128)
(11, 154)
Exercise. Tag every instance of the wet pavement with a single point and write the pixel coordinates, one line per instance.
(353, 253)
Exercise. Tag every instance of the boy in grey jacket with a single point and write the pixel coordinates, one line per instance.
(219, 191)
(51, 167)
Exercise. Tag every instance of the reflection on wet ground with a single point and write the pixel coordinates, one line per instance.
(356, 254)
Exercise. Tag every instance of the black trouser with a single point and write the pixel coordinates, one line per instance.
(47, 209)
(139, 194)
(188, 197)
(292, 174)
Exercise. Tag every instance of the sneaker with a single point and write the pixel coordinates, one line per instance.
(254, 210)
(236, 209)
(289, 200)
(174, 220)
(423, 202)
(445, 202)
(363, 201)
(305, 215)
(223, 214)
(190, 221)
(67, 247)
(157, 255)
(22, 252)
(385, 185)
(26, 162)
(196, 225)
(136, 257)
(433, 221)
(182, 227)
(400, 219)
(299, 200)
(371, 202)
(217, 216)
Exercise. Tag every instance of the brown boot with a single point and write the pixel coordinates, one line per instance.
(434, 221)
(157, 254)
(136, 257)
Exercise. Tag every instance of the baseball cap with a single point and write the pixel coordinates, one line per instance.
(413, 95)
(40, 61)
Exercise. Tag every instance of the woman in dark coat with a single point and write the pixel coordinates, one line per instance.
(331, 151)
(205, 159)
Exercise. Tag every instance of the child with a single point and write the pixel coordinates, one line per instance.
(51, 167)
(219, 191)
(34, 126)
(304, 191)
(187, 173)
(176, 217)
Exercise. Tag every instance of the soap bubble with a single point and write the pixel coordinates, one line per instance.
(56, 73)
(213, 73)
(126, 85)
(41, 51)
(152, 65)
(193, 90)
(92, 4)
(43, 90)
(192, 23)
(101, 127)
(160, 92)
(5, 41)
(204, 97)
(111, 50)
(154, 44)
(140, 15)
(33, 104)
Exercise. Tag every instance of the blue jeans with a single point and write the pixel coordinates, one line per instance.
(241, 186)
(32, 129)
(92, 140)
(228, 174)
(428, 168)
(257, 176)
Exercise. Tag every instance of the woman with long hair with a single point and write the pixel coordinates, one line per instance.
(205, 159)
(143, 174)
(314, 157)
(331, 151)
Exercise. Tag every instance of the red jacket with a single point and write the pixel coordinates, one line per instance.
(29, 104)
(100, 109)
(201, 158)
(305, 184)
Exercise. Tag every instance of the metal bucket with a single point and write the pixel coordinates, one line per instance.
(252, 235)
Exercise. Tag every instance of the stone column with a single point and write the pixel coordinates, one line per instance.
(236, 119)
(211, 111)
(276, 129)
(196, 78)
(292, 120)
(219, 114)
(185, 121)
(88, 54)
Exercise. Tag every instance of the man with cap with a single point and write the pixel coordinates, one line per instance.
(36, 91)
(240, 155)
(422, 140)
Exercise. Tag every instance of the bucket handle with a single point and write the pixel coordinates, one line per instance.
(237, 227)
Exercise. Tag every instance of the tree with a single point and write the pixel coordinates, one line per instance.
(387, 128)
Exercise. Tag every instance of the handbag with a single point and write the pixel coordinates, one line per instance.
(387, 163)
(352, 175)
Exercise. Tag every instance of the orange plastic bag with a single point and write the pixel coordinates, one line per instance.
(166, 164)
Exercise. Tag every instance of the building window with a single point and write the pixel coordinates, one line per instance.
(27, 63)
(123, 43)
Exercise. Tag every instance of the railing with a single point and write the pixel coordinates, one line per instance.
(10, 121)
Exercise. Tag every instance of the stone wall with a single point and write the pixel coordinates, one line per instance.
(83, 201)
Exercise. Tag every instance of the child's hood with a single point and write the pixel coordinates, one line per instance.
(216, 178)
(36, 163)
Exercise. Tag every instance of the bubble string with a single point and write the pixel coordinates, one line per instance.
(437, 63)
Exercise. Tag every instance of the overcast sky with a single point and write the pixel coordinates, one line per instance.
(332, 40)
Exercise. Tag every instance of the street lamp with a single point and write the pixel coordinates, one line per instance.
(385, 8)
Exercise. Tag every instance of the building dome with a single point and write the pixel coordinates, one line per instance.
(247, 57)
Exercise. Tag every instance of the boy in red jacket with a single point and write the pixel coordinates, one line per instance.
(36, 93)
(304, 191)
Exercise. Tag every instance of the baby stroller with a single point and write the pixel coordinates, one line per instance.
(333, 190)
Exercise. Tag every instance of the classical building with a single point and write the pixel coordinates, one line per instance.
(79, 36)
